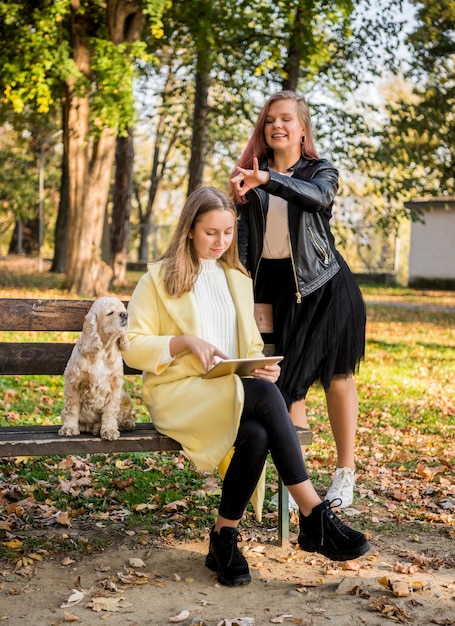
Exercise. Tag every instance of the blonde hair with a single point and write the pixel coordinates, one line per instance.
(257, 147)
(181, 265)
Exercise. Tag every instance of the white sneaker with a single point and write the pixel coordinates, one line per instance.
(292, 504)
(342, 488)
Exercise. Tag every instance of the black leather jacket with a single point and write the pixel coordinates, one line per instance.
(310, 193)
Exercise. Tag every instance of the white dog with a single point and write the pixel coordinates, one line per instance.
(94, 397)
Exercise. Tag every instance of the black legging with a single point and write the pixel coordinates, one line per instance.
(265, 426)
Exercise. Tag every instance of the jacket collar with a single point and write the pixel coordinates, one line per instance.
(184, 312)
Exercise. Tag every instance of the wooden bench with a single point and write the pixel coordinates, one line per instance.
(50, 358)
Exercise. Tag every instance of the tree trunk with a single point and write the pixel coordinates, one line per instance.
(90, 159)
(61, 226)
(89, 167)
(201, 108)
(24, 239)
(124, 157)
(295, 47)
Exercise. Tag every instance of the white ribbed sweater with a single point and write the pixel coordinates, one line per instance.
(216, 308)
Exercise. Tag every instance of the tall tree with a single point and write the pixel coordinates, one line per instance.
(427, 124)
(85, 51)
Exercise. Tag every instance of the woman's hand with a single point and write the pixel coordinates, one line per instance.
(244, 180)
(207, 353)
(268, 372)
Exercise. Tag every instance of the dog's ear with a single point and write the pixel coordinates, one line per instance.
(123, 343)
(90, 341)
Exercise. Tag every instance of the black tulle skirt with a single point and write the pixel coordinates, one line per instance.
(323, 336)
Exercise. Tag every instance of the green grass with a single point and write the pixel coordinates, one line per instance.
(405, 443)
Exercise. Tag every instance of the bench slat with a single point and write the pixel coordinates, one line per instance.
(30, 314)
(45, 441)
(38, 358)
(49, 358)
(37, 315)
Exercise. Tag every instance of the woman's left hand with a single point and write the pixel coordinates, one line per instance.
(268, 372)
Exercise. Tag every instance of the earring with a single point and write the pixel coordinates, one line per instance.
(302, 140)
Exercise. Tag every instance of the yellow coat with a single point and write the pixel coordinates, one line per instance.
(202, 415)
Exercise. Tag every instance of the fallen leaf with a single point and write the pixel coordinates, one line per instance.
(64, 519)
(180, 617)
(389, 610)
(22, 460)
(400, 589)
(75, 598)
(108, 604)
(14, 544)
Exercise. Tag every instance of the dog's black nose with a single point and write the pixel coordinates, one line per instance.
(124, 318)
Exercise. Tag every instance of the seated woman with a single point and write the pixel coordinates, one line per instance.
(192, 308)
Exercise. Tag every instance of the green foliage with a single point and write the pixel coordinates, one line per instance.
(37, 58)
(113, 100)
(420, 133)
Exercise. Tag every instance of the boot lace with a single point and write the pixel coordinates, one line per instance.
(230, 545)
(332, 519)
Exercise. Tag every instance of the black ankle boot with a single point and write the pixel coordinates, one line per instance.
(225, 558)
(324, 532)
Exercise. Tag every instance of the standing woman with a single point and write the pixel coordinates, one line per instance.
(190, 309)
(284, 194)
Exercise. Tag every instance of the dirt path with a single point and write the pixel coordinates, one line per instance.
(155, 582)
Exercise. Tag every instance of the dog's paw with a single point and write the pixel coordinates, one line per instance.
(110, 434)
(127, 423)
(68, 431)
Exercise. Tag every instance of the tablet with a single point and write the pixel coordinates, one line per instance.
(241, 367)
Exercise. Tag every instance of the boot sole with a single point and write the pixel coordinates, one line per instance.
(228, 581)
(310, 546)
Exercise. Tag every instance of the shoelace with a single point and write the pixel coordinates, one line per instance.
(335, 521)
(341, 479)
(231, 544)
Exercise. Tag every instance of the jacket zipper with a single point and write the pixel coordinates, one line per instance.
(318, 245)
(298, 295)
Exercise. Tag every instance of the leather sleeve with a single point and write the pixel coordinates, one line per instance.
(314, 193)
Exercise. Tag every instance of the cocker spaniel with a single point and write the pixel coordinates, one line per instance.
(94, 397)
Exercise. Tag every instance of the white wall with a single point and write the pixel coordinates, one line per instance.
(432, 250)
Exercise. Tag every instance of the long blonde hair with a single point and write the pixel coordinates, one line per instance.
(181, 265)
(257, 147)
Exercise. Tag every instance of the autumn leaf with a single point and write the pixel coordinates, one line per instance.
(63, 518)
(75, 598)
(180, 617)
(111, 604)
(136, 562)
(13, 544)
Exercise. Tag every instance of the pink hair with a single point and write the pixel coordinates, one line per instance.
(256, 146)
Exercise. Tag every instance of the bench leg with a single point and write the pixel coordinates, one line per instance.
(283, 514)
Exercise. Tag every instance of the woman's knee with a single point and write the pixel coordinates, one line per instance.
(252, 435)
(262, 393)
